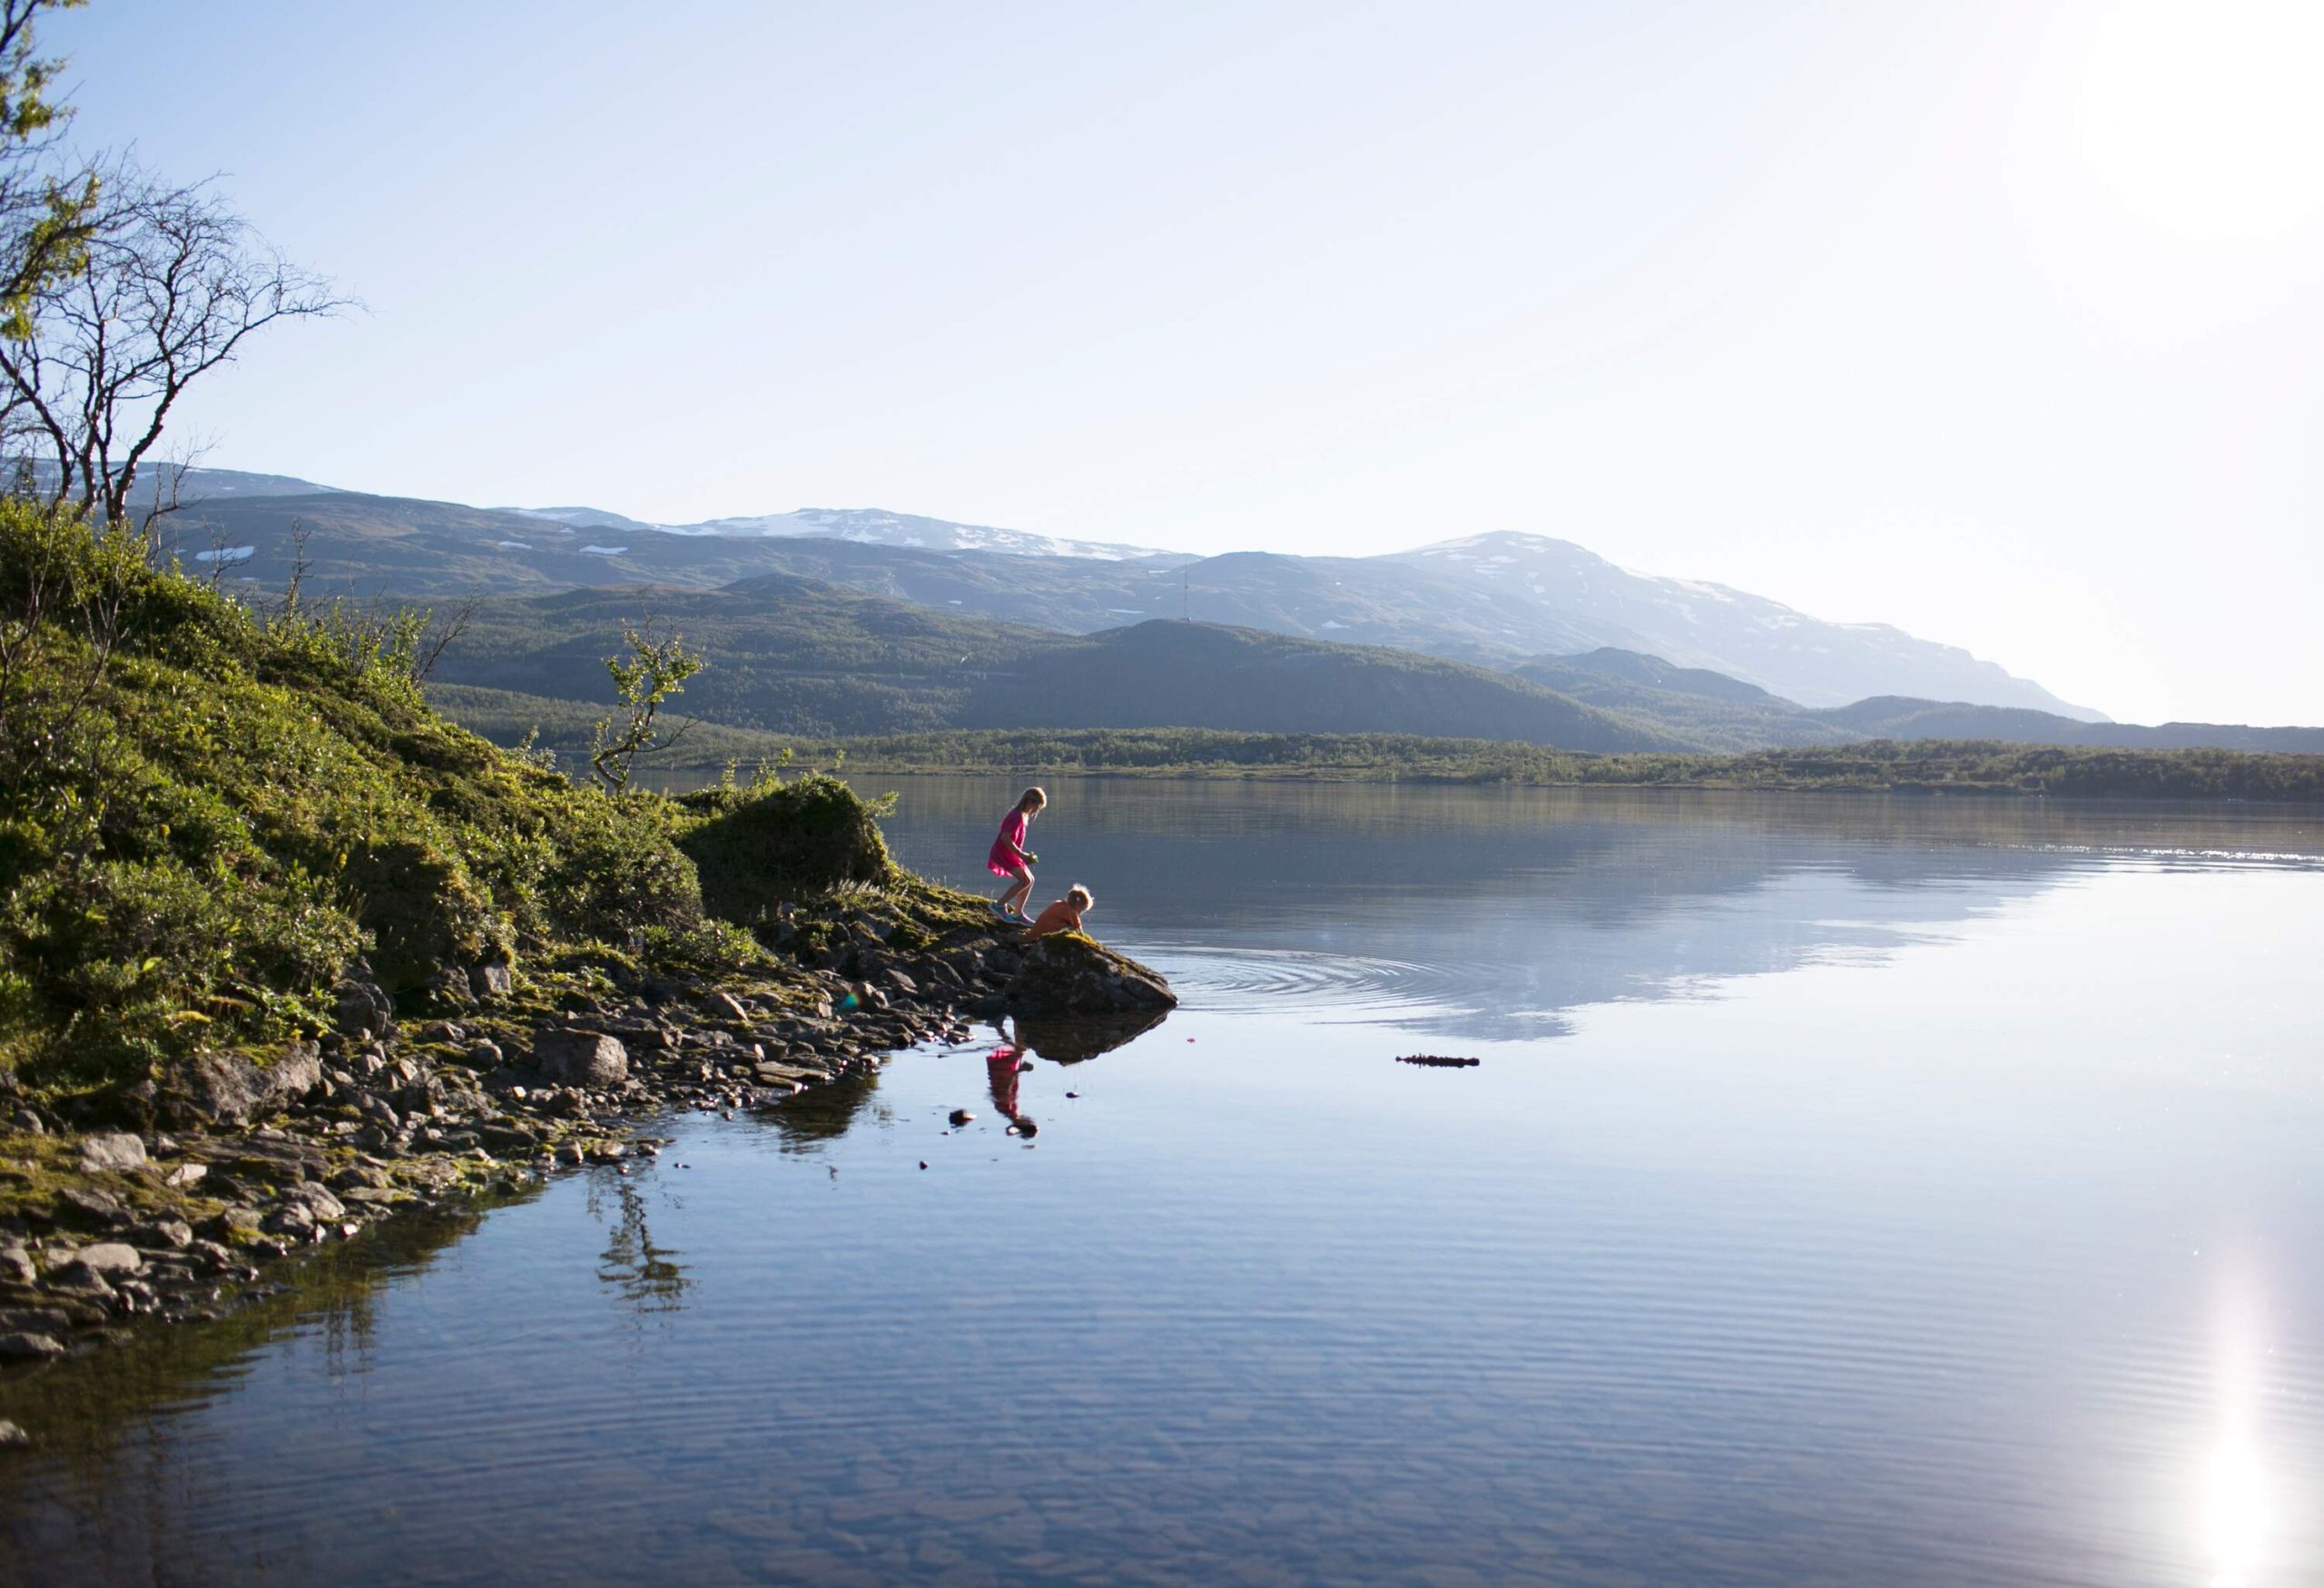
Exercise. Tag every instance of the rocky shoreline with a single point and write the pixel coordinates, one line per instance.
(176, 1211)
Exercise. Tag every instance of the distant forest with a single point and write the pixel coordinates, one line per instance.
(1965, 766)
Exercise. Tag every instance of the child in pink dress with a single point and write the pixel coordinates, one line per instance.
(1012, 860)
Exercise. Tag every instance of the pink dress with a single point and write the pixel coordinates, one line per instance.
(1003, 862)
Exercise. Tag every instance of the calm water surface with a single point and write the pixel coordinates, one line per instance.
(1852, 1191)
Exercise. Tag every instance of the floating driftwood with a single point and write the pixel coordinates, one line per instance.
(1437, 1061)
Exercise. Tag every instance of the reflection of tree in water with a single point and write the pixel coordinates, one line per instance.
(824, 1113)
(648, 1276)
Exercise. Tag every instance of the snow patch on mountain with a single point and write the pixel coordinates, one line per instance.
(877, 527)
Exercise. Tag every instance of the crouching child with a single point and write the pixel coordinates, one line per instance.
(1065, 914)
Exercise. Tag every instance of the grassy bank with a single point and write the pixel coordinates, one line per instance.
(213, 819)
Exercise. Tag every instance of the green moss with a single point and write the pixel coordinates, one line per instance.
(35, 1171)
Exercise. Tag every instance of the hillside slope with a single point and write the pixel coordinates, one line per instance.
(1887, 717)
(1725, 714)
(796, 655)
(1708, 709)
(199, 837)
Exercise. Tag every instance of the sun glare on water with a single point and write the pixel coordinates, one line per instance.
(2204, 117)
(2236, 1510)
(2238, 1514)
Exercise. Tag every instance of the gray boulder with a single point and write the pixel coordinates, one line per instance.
(1066, 973)
(318, 1201)
(292, 1221)
(363, 1008)
(584, 1058)
(166, 1235)
(227, 1088)
(76, 1278)
(109, 1257)
(25, 1345)
(116, 1152)
(87, 1208)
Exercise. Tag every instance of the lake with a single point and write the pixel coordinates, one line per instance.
(1850, 1190)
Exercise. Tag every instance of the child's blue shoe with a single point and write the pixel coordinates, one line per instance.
(1000, 913)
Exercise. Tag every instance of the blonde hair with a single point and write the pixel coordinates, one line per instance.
(1032, 799)
(1077, 892)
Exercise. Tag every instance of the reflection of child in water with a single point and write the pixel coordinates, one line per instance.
(1002, 1066)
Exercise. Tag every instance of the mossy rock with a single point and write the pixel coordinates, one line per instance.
(758, 848)
(1066, 973)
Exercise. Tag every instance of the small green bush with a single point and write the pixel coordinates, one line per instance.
(759, 845)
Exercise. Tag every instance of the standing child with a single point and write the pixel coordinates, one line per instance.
(1012, 860)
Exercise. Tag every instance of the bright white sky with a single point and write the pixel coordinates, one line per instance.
(2000, 320)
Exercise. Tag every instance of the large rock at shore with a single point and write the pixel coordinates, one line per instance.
(585, 1059)
(1069, 974)
(228, 1089)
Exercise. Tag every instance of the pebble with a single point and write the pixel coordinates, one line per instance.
(12, 1437)
(961, 1116)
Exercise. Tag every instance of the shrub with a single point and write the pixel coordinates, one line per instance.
(759, 845)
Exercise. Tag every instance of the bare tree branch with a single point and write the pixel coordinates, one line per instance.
(175, 282)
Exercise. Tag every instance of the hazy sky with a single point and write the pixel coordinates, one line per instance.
(2001, 322)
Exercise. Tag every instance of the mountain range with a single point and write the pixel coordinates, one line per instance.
(843, 622)
(1495, 600)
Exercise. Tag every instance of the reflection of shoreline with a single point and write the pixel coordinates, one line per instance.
(1493, 913)
(110, 1428)
(104, 1426)
(2103, 825)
